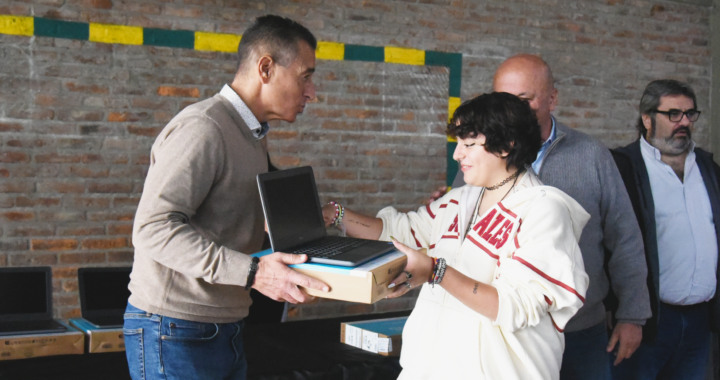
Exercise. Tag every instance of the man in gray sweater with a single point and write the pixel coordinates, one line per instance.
(200, 216)
(584, 169)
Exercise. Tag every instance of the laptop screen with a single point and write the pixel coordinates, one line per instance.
(291, 207)
(25, 293)
(103, 289)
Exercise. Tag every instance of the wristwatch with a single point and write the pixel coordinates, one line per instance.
(251, 273)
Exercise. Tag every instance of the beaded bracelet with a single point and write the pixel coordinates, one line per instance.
(339, 213)
(438, 271)
(434, 268)
(339, 219)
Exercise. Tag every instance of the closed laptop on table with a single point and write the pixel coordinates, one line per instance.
(295, 222)
(26, 301)
(104, 295)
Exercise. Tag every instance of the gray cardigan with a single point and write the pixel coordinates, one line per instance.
(584, 169)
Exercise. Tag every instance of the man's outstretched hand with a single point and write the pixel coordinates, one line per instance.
(275, 280)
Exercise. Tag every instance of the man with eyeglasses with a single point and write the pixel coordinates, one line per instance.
(676, 197)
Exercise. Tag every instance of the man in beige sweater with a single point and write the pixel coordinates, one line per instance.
(200, 216)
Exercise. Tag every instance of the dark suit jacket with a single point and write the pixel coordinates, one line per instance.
(634, 173)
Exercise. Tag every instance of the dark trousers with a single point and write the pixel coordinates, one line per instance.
(585, 357)
(680, 350)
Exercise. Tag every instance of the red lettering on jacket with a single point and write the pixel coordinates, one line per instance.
(506, 236)
(454, 225)
(487, 235)
(452, 232)
(482, 225)
(494, 239)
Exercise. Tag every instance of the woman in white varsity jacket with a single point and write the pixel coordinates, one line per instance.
(498, 260)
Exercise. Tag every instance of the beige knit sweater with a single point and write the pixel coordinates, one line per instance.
(199, 216)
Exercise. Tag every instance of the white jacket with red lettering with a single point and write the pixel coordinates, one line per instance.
(526, 247)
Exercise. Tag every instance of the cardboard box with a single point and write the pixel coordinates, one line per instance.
(366, 283)
(100, 340)
(381, 336)
(35, 345)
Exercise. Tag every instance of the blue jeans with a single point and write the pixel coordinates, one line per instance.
(680, 350)
(585, 357)
(159, 347)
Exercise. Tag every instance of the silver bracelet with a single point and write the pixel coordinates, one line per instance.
(440, 271)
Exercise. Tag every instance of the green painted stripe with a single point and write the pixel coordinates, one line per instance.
(61, 29)
(452, 61)
(452, 165)
(364, 53)
(170, 38)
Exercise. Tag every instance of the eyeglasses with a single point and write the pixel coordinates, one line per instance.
(677, 115)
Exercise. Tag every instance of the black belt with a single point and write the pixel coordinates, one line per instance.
(682, 308)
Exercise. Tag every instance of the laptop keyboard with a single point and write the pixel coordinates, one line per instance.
(331, 246)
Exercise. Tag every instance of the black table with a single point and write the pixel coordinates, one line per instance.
(304, 350)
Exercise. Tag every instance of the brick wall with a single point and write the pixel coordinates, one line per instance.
(77, 118)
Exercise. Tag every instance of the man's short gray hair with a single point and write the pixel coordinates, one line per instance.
(277, 36)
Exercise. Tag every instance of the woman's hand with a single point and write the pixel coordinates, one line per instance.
(419, 266)
(328, 212)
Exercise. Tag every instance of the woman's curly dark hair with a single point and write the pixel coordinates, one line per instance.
(508, 123)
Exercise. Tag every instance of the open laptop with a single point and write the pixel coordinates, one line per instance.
(26, 301)
(104, 295)
(295, 222)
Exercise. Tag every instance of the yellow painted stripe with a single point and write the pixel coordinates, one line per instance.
(451, 139)
(330, 50)
(453, 104)
(18, 25)
(227, 43)
(404, 56)
(116, 34)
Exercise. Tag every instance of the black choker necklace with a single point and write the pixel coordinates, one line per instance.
(506, 180)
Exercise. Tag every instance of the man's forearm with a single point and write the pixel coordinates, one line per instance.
(162, 240)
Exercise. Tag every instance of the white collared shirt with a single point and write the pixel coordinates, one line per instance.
(258, 129)
(544, 148)
(687, 246)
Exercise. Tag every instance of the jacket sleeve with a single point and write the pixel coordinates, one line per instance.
(414, 228)
(622, 238)
(185, 163)
(545, 274)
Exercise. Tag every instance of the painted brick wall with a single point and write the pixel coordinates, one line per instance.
(77, 118)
